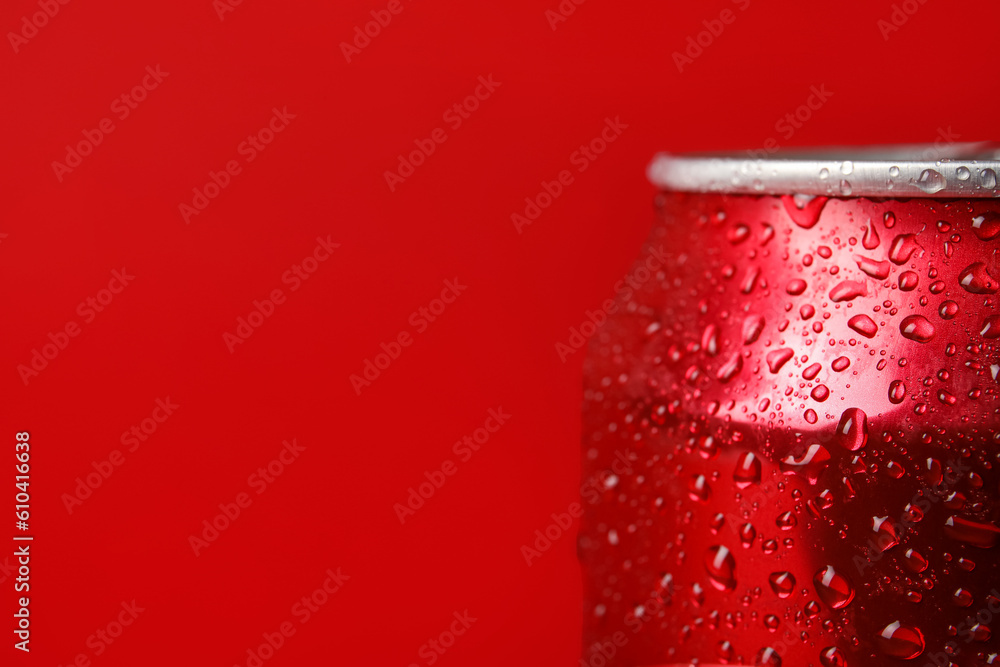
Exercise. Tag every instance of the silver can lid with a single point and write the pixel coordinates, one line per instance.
(963, 171)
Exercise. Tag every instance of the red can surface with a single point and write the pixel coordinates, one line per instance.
(791, 427)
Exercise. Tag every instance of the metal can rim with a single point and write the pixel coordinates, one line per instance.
(966, 170)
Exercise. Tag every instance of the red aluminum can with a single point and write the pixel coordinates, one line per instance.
(791, 427)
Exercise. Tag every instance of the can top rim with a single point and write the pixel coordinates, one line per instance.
(955, 170)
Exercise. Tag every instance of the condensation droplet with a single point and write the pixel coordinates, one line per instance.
(778, 358)
(698, 488)
(864, 325)
(782, 583)
(833, 588)
(986, 227)
(730, 369)
(767, 657)
(914, 561)
(982, 535)
(875, 269)
(804, 211)
(901, 641)
(886, 535)
(931, 181)
(832, 656)
(848, 290)
(988, 178)
(721, 568)
(918, 328)
(852, 431)
(870, 240)
(977, 280)
(753, 325)
(748, 470)
(948, 310)
(810, 463)
(796, 286)
(961, 598)
(908, 281)
(902, 248)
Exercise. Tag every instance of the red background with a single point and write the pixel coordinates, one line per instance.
(324, 175)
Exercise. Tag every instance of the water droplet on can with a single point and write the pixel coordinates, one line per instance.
(833, 588)
(931, 181)
(948, 310)
(871, 239)
(918, 328)
(914, 561)
(897, 392)
(991, 327)
(901, 641)
(908, 281)
(721, 568)
(782, 583)
(864, 325)
(767, 657)
(810, 463)
(796, 286)
(902, 248)
(832, 656)
(988, 178)
(778, 358)
(986, 227)
(875, 269)
(747, 471)
(753, 325)
(961, 598)
(848, 290)
(820, 393)
(982, 535)
(731, 368)
(886, 535)
(852, 431)
(976, 279)
(698, 488)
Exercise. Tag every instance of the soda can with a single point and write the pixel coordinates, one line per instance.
(791, 421)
